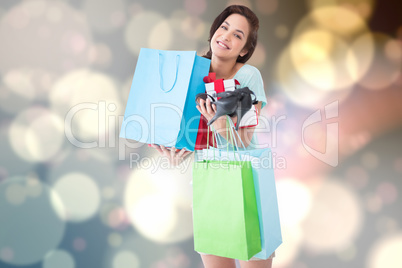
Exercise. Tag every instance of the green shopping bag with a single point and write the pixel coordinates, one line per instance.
(225, 215)
(265, 190)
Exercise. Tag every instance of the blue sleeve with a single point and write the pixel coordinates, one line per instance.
(249, 76)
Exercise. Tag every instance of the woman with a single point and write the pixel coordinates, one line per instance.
(233, 38)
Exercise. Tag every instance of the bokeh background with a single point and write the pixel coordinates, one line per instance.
(332, 74)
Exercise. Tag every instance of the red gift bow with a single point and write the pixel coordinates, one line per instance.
(218, 83)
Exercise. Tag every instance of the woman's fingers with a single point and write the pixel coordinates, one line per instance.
(186, 153)
(173, 152)
(214, 107)
(165, 151)
(157, 147)
(209, 108)
(179, 153)
(174, 155)
(206, 108)
(182, 153)
(202, 107)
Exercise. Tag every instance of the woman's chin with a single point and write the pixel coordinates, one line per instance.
(223, 55)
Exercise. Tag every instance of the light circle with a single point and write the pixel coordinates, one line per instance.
(362, 8)
(105, 16)
(58, 259)
(267, 7)
(298, 90)
(36, 135)
(115, 239)
(46, 35)
(294, 200)
(150, 223)
(82, 97)
(385, 69)
(160, 36)
(15, 194)
(33, 218)
(287, 252)
(338, 19)
(142, 28)
(386, 252)
(125, 259)
(166, 192)
(79, 195)
(321, 58)
(336, 214)
(17, 90)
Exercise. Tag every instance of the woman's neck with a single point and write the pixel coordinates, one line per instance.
(224, 69)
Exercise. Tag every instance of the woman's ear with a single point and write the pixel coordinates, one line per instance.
(243, 53)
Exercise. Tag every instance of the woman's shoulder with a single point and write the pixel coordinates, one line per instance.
(249, 76)
(248, 70)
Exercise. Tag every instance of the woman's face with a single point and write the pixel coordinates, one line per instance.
(230, 38)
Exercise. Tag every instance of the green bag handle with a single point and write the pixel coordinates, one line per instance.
(213, 141)
(161, 76)
(231, 138)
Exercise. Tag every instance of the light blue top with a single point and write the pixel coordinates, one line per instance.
(249, 76)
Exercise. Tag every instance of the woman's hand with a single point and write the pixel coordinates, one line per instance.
(208, 110)
(175, 156)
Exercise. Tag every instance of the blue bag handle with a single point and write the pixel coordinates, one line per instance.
(160, 72)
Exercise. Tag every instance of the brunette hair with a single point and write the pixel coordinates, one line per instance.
(252, 37)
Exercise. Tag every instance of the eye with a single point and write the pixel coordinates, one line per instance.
(224, 27)
(238, 36)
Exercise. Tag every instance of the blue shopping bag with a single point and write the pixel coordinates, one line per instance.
(265, 191)
(267, 204)
(160, 107)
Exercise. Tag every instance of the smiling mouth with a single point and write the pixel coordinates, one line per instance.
(222, 45)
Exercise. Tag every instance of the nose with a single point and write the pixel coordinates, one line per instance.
(226, 36)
